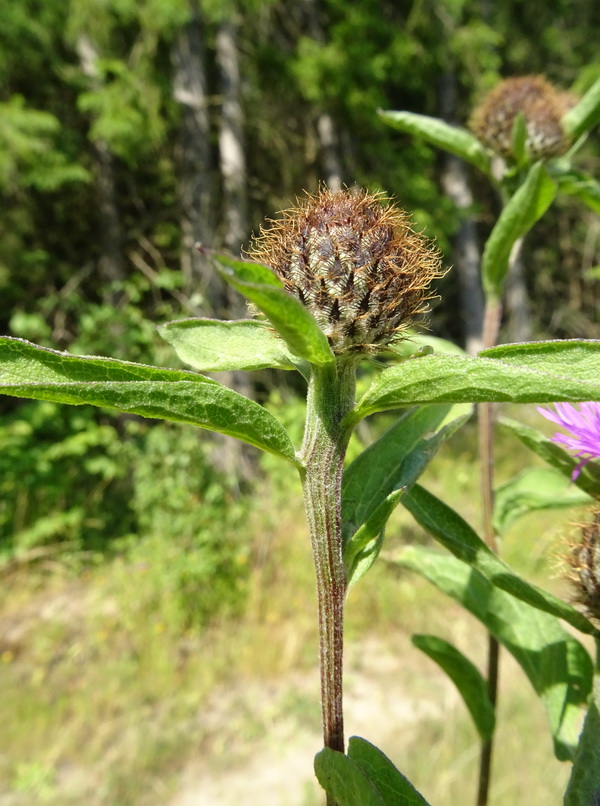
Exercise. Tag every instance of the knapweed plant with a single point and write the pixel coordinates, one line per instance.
(337, 281)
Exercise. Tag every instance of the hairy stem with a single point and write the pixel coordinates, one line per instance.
(330, 398)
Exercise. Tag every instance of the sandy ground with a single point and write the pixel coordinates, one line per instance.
(273, 767)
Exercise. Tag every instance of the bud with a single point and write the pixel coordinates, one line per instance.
(584, 566)
(542, 107)
(353, 260)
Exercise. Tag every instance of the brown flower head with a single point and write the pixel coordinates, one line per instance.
(542, 107)
(584, 566)
(353, 260)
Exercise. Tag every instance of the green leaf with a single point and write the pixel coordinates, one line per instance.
(527, 373)
(522, 210)
(29, 371)
(372, 484)
(458, 537)
(558, 667)
(295, 324)
(585, 114)
(466, 677)
(435, 131)
(392, 786)
(533, 489)
(344, 781)
(580, 185)
(584, 784)
(519, 139)
(214, 345)
(589, 477)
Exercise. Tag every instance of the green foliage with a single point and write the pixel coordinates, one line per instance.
(466, 677)
(558, 667)
(364, 777)
(57, 467)
(137, 389)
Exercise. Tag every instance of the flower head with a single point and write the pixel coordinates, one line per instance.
(584, 425)
(584, 566)
(353, 260)
(542, 107)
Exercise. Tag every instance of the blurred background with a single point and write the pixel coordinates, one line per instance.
(157, 627)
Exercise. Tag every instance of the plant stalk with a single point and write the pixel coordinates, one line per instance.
(330, 397)
(485, 424)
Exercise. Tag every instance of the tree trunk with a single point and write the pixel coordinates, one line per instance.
(194, 155)
(467, 254)
(517, 298)
(111, 265)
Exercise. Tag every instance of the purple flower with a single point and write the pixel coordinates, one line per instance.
(584, 425)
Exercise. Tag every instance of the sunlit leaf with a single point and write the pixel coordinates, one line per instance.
(459, 538)
(541, 372)
(372, 484)
(214, 345)
(558, 667)
(394, 788)
(585, 114)
(435, 131)
(294, 323)
(29, 371)
(344, 781)
(584, 783)
(522, 210)
(467, 678)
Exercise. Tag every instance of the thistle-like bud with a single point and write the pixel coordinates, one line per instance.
(584, 566)
(542, 107)
(353, 260)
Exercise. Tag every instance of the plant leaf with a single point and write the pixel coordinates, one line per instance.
(435, 131)
(580, 185)
(589, 477)
(214, 345)
(585, 114)
(533, 489)
(584, 783)
(372, 484)
(295, 324)
(541, 372)
(523, 209)
(466, 677)
(29, 371)
(558, 667)
(344, 781)
(458, 537)
(393, 787)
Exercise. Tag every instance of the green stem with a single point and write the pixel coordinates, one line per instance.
(330, 397)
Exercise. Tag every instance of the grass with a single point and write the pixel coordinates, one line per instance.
(108, 696)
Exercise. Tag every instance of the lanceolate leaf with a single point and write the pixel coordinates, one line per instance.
(450, 138)
(29, 371)
(585, 114)
(458, 537)
(344, 781)
(393, 787)
(372, 484)
(214, 345)
(589, 477)
(559, 668)
(294, 323)
(519, 215)
(584, 784)
(467, 678)
(530, 373)
(533, 489)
